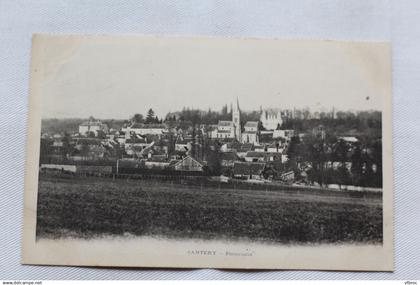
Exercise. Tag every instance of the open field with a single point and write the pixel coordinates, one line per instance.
(90, 207)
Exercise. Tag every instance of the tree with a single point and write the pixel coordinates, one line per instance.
(101, 134)
(213, 158)
(377, 160)
(225, 109)
(45, 150)
(340, 151)
(84, 151)
(260, 126)
(343, 177)
(150, 116)
(306, 113)
(293, 152)
(356, 165)
(66, 144)
(137, 118)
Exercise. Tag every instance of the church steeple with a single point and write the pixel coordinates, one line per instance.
(236, 119)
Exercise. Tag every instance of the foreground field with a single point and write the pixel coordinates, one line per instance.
(95, 207)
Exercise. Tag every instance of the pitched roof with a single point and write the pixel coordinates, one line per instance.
(211, 127)
(135, 140)
(267, 137)
(158, 158)
(245, 147)
(192, 158)
(251, 124)
(147, 126)
(161, 143)
(256, 154)
(231, 156)
(151, 138)
(225, 123)
(233, 144)
(146, 151)
(275, 144)
(248, 168)
(183, 140)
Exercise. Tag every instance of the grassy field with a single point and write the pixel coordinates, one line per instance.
(95, 207)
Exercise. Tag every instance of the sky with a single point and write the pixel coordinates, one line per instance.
(116, 77)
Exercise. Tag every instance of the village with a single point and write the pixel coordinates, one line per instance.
(270, 146)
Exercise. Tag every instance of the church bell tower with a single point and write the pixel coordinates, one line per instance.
(236, 119)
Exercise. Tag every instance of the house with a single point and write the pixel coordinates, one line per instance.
(211, 131)
(92, 126)
(260, 148)
(230, 145)
(162, 146)
(250, 134)
(271, 119)
(266, 136)
(58, 168)
(46, 136)
(258, 156)
(248, 170)
(134, 144)
(183, 144)
(337, 164)
(349, 139)
(319, 132)
(288, 176)
(80, 142)
(275, 147)
(284, 157)
(89, 148)
(157, 162)
(144, 129)
(58, 142)
(283, 134)
(189, 164)
(120, 139)
(228, 158)
(225, 129)
(242, 150)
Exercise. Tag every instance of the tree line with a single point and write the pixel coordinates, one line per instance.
(358, 163)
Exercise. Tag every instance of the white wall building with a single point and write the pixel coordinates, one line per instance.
(284, 134)
(271, 119)
(250, 134)
(93, 126)
(225, 129)
(144, 129)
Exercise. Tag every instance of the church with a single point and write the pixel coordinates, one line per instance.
(232, 129)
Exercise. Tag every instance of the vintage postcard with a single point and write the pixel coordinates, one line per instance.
(204, 152)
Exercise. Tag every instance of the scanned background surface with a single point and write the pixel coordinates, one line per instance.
(350, 20)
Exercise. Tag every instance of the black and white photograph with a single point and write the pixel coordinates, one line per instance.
(209, 152)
